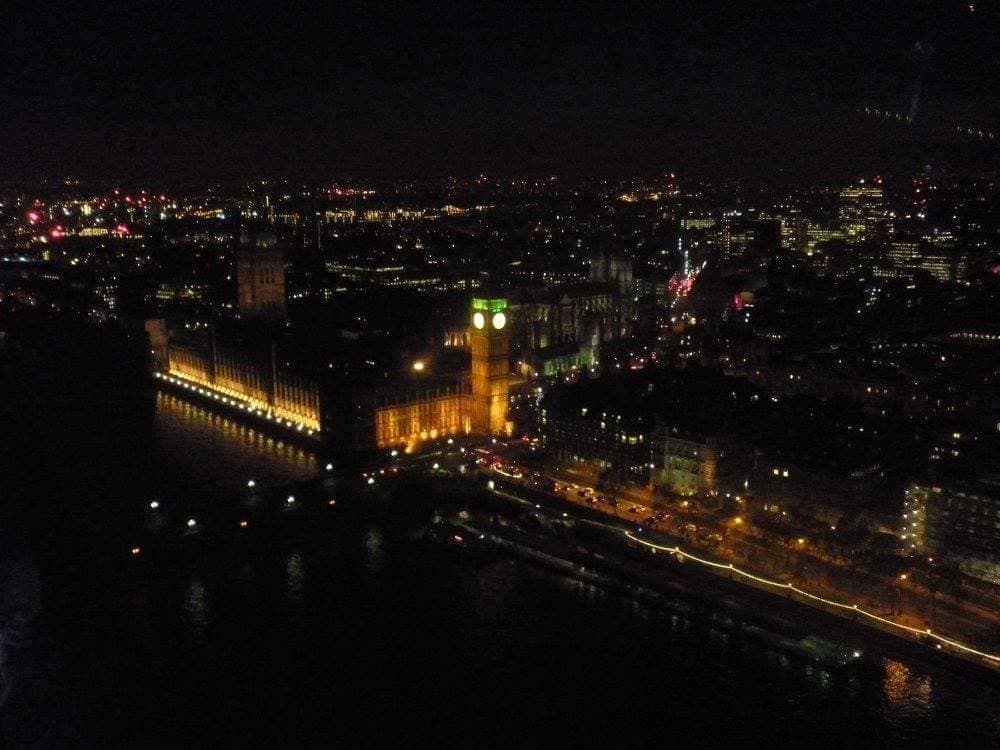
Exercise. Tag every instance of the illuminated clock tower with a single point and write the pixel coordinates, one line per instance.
(490, 342)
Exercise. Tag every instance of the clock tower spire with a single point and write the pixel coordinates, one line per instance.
(490, 343)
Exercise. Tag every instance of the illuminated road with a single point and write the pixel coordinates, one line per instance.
(845, 604)
(808, 565)
(848, 609)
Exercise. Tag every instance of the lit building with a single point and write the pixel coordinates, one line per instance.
(339, 216)
(904, 253)
(725, 235)
(260, 276)
(698, 222)
(251, 380)
(685, 464)
(615, 444)
(816, 234)
(935, 256)
(572, 321)
(188, 292)
(938, 265)
(352, 415)
(558, 359)
(956, 523)
(106, 291)
(861, 209)
(793, 233)
(490, 344)
(612, 269)
(405, 417)
(602, 426)
(474, 401)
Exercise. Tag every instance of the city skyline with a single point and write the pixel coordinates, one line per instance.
(468, 375)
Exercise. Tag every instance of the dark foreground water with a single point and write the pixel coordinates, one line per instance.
(349, 633)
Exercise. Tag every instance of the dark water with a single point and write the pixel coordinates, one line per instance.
(349, 633)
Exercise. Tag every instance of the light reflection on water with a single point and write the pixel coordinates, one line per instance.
(905, 691)
(220, 454)
(198, 446)
(910, 694)
(294, 577)
(373, 549)
(196, 608)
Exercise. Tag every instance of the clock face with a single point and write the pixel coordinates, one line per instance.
(499, 320)
(479, 320)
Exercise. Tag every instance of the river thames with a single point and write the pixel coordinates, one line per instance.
(353, 633)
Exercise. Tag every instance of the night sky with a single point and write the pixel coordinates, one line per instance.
(172, 91)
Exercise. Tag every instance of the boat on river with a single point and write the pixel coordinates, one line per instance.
(812, 648)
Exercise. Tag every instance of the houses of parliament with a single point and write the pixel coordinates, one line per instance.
(240, 373)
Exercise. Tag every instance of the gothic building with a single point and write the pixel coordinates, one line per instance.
(260, 277)
(246, 378)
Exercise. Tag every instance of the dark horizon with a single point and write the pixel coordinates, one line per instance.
(185, 94)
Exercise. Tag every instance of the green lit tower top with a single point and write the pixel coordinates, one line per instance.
(490, 344)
